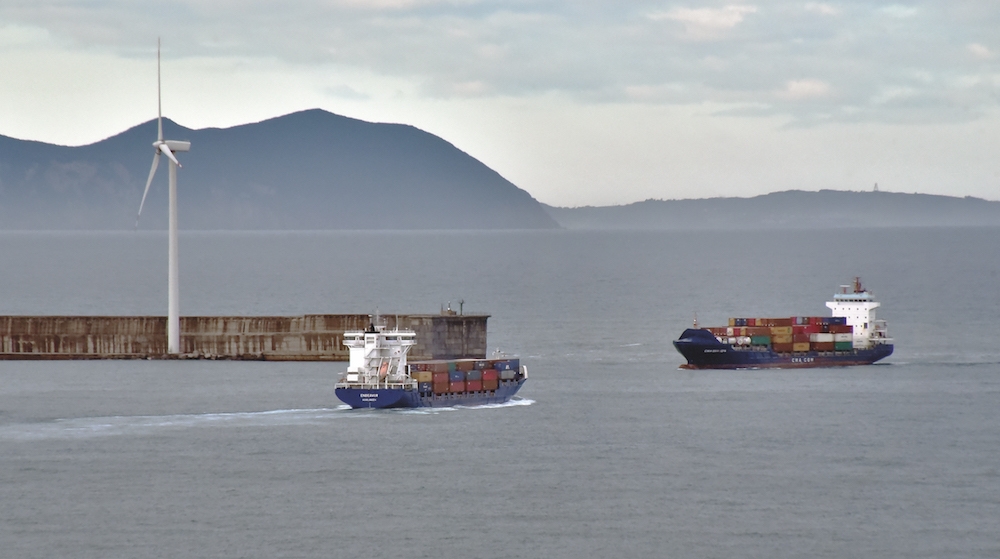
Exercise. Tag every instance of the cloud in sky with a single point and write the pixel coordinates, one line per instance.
(980, 51)
(823, 9)
(706, 23)
(731, 52)
(805, 89)
(777, 65)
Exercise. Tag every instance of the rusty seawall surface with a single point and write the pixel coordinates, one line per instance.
(313, 337)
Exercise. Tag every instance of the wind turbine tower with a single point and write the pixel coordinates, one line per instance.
(167, 148)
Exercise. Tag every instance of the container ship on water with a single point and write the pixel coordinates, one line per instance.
(379, 376)
(851, 336)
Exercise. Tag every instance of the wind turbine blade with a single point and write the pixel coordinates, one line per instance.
(149, 181)
(159, 101)
(170, 155)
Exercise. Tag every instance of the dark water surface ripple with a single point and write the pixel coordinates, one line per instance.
(611, 451)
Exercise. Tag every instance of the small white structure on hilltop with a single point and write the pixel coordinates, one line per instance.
(858, 305)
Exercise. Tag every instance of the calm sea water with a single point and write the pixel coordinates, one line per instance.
(611, 451)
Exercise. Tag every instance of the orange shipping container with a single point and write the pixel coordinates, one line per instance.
(438, 367)
(801, 346)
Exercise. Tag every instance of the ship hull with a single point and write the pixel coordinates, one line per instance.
(382, 398)
(703, 351)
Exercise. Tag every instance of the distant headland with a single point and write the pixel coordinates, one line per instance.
(793, 209)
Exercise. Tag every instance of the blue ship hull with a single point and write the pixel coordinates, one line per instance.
(412, 398)
(703, 351)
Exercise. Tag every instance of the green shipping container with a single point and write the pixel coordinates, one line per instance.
(760, 340)
(843, 346)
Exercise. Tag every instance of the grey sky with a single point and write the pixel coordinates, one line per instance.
(578, 102)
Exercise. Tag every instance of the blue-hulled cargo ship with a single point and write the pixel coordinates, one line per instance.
(378, 375)
(851, 336)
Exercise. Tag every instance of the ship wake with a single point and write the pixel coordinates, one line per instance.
(110, 426)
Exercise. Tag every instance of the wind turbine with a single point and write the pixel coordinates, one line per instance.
(168, 148)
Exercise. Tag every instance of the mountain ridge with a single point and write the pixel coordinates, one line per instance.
(306, 170)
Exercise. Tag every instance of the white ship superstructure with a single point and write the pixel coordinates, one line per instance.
(378, 357)
(858, 305)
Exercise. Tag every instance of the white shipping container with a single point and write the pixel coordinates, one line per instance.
(843, 337)
(821, 337)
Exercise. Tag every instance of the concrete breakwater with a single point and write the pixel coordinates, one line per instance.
(313, 337)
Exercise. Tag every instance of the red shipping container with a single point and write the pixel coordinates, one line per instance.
(456, 386)
(440, 378)
(490, 384)
(490, 374)
(815, 320)
(473, 386)
(800, 338)
(441, 387)
(782, 348)
(438, 367)
(821, 346)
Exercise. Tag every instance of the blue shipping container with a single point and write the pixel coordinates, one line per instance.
(456, 376)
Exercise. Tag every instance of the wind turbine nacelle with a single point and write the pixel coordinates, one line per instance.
(178, 145)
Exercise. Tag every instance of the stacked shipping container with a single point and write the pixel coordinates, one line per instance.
(788, 335)
(463, 375)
